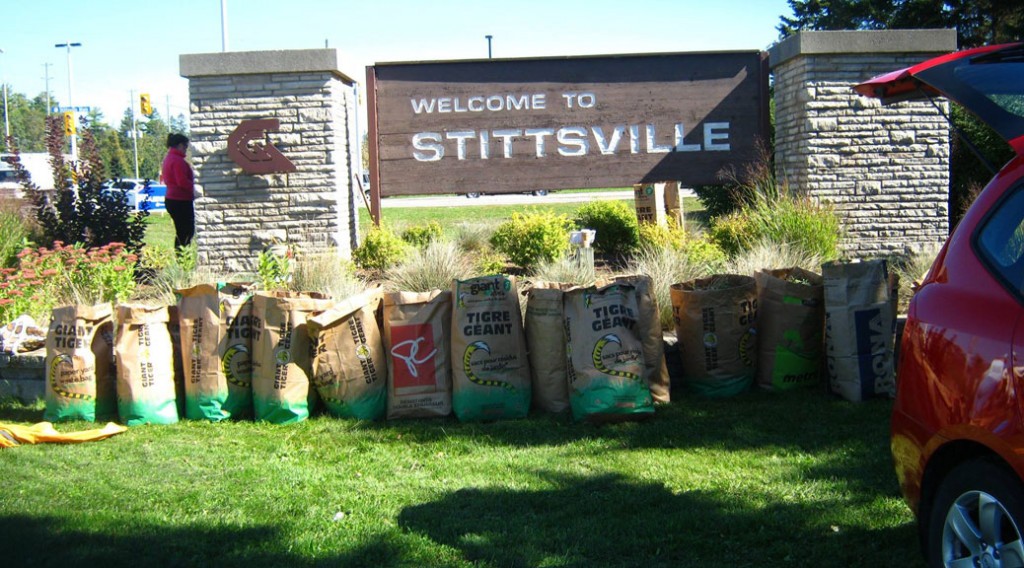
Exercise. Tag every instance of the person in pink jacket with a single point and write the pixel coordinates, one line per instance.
(177, 175)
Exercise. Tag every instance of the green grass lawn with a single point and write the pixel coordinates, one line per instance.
(160, 230)
(793, 479)
(450, 216)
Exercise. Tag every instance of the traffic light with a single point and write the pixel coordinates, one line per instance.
(145, 105)
(69, 123)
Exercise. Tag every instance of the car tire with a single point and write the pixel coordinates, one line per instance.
(954, 529)
(473, 195)
(540, 192)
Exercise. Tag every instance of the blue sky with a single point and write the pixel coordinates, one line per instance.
(134, 46)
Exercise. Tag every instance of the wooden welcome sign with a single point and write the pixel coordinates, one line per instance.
(504, 126)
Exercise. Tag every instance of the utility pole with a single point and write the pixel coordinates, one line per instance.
(488, 45)
(46, 77)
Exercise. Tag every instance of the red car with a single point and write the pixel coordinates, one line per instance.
(958, 421)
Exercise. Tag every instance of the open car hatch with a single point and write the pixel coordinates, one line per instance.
(988, 81)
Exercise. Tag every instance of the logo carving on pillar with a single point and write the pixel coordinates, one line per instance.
(249, 147)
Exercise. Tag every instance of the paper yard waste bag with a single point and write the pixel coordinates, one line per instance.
(216, 326)
(545, 341)
(715, 321)
(790, 329)
(491, 374)
(350, 367)
(417, 331)
(649, 329)
(281, 356)
(80, 381)
(605, 354)
(145, 366)
(859, 323)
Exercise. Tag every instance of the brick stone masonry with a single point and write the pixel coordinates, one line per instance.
(240, 214)
(885, 169)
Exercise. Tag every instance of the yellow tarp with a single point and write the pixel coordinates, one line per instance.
(14, 435)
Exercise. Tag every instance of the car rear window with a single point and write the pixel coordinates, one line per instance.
(1001, 239)
(1000, 83)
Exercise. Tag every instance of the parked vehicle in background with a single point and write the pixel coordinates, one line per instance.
(958, 419)
(37, 164)
(141, 194)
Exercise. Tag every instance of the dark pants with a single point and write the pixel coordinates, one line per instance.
(183, 214)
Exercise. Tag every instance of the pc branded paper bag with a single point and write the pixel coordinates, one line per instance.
(417, 331)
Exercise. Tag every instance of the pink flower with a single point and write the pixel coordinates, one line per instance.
(50, 272)
(5, 301)
(120, 268)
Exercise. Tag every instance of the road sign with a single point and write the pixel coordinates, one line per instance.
(82, 109)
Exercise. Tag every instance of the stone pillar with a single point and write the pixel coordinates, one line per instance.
(240, 214)
(885, 169)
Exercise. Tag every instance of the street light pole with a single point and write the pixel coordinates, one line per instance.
(488, 45)
(69, 45)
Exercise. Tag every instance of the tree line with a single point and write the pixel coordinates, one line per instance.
(27, 119)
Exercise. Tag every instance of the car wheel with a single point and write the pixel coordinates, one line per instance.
(473, 195)
(540, 192)
(976, 518)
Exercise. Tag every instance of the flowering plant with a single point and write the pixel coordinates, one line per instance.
(64, 274)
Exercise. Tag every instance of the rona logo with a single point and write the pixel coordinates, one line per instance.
(873, 336)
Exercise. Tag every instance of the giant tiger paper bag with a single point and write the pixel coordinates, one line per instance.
(281, 363)
(216, 322)
(605, 354)
(145, 366)
(350, 366)
(715, 321)
(649, 329)
(491, 374)
(80, 381)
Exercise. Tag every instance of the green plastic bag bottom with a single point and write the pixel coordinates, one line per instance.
(718, 387)
(61, 409)
(234, 403)
(496, 403)
(611, 396)
(281, 411)
(138, 413)
(368, 407)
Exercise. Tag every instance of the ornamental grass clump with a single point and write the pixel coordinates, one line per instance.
(65, 274)
(768, 255)
(434, 268)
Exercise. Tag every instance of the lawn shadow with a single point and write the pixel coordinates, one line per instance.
(53, 541)
(608, 520)
(803, 420)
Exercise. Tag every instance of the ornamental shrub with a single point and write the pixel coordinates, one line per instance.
(791, 219)
(531, 238)
(78, 210)
(381, 250)
(420, 236)
(618, 232)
